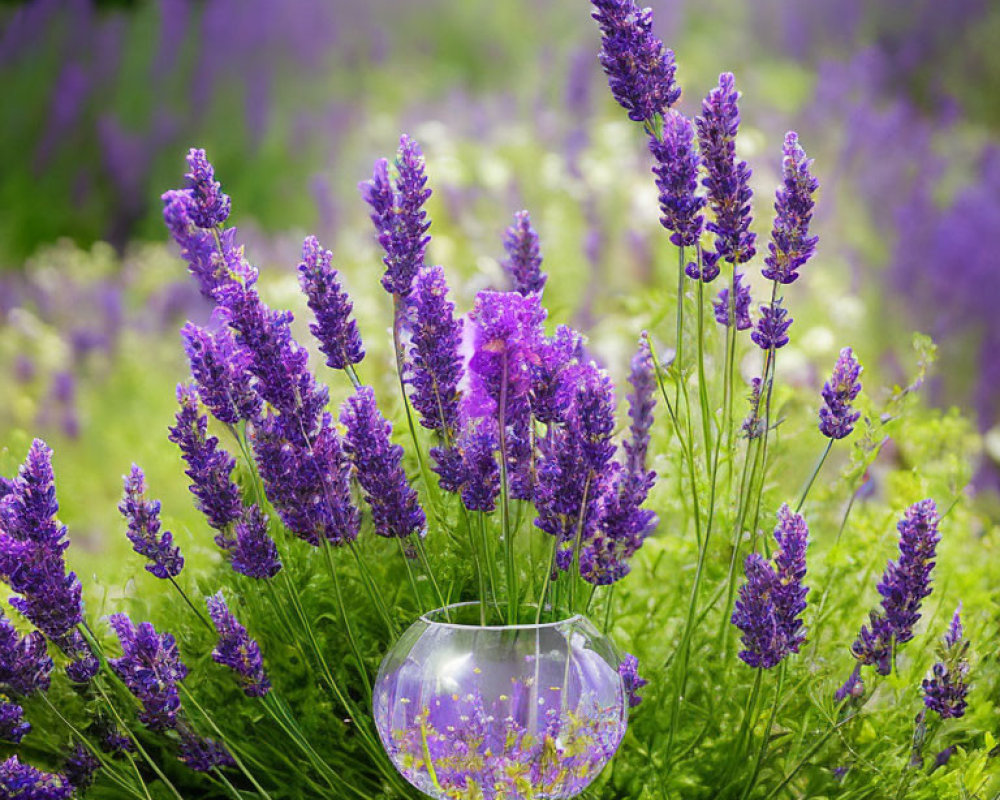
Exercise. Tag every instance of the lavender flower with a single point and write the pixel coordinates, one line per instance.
(25, 665)
(904, 585)
(629, 670)
(946, 687)
(211, 206)
(574, 465)
(144, 528)
(524, 261)
(676, 169)
(641, 402)
(506, 334)
(23, 782)
(771, 601)
(553, 355)
(203, 754)
(482, 472)
(435, 368)
(254, 552)
(32, 544)
(397, 212)
(791, 246)
(742, 304)
(727, 180)
(80, 767)
(771, 332)
(753, 425)
(236, 650)
(309, 486)
(640, 69)
(334, 328)
(219, 368)
(853, 687)
(203, 253)
(209, 466)
(13, 726)
(151, 668)
(836, 417)
(396, 511)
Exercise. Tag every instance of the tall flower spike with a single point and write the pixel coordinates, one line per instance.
(771, 601)
(640, 69)
(80, 767)
(641, 402)
(236, 650)
(398, 215)
(791, 246)
(211, 206)
(32, 544)
(837, 417)
(25, 665)
(13, 726)
(482, 471)
(334, 328)
(143, 518)
(523, 263)
(904, 585)
(771, 332)
(150, 667)
(396, 512)
(204, 254)
(20, 781)
(254, 552)
(727, 180)
(629, 670)
(742, 305)
(203, 754)
(676, 168)
(220, 369)
(209, 466)
(946, 687)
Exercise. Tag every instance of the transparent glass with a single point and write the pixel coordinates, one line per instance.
(500, 712)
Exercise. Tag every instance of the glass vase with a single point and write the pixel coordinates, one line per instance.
(498, 712)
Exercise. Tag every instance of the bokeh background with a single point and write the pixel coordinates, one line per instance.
(293, 99)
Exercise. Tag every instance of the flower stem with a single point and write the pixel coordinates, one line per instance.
(767, 733)
(208, 625)
(815, 472)
(512, 593)
(335, 575)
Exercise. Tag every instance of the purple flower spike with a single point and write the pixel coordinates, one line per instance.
(199, 248)
(791, 246)
(629, 670)
(727, 180)
(772, 600)
(853, 687)
(481, 468)
(209, 466)
(143, 518)
(25, 665)
(334, 328)
(13, 726)
(23, 782)
(523, 263)
(435, 368)
(641, 402)
(837, 417)
(676, 169)
(80, 767)
(396, 512)
(506, 336)
(640, 69)
(220, 369)
(32, 544)
(397, 212)
(202, 754)
(722, 310)
(946, 687)
(552, 357)
(904, 585)
(151, 668)
(211, 206)
(236, 650)
(254, 552)
(772, 327)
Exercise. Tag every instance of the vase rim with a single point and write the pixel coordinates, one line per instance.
(429, 618)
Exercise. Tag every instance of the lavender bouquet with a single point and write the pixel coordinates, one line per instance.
(499, 515)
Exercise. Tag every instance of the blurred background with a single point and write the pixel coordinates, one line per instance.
(293, 99)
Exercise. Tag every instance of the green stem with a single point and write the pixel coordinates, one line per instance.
(352, 373)
(352, 641)
(208, 625)
(233, 750)
(512, 592)
(426, 564)
(706, 417)
(373, 592)
(812, 476)
(547, 581)
(679, 349)
(410, 576)
(767, 733)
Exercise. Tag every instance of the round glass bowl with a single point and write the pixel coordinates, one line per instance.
(500, 712)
